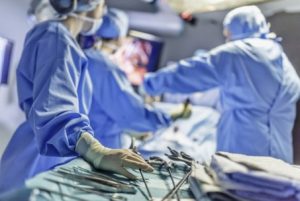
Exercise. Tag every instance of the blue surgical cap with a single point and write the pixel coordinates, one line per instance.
(86, 5)
(245, 22)
(41, 10)
(115, 25)
(64, 6)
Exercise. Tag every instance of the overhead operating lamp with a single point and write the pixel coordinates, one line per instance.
(198, 6)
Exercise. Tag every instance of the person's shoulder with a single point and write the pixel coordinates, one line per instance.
(94, 54)
(95, 59)
(225, 52)
(51, 38)
(226, 48)
(100, 65)
(98, 61)
(52, 32)
(44, 28)
(263, 42)
(103, 61)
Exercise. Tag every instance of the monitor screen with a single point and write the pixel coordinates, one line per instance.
(6, 47)
(141, 54)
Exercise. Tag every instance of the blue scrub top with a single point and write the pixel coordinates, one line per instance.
(259, 90)
(54, 90)
(115, 105)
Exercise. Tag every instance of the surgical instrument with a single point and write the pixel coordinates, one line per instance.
(146, 185)
(99, 179)
(134, 149)
(186, 156)
(109, 197)
(168, 166)
(177, 187)
(38, 190)
(101, 184)
(101, 175)
(95, 185)
(183, 157)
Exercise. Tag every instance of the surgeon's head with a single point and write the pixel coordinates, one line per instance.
(84, 16)
(115, 25)
(39, 11)
(112, 30)
(93, 19)
(245, 22)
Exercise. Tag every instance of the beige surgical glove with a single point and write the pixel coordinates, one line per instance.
(183, 113)
(116, 160)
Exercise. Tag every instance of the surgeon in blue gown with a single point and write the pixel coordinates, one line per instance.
(115, 105)
(55, 93)
(259, 86)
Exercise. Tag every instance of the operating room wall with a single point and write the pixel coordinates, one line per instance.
(287, 26)
(13, 25)
(205, 34)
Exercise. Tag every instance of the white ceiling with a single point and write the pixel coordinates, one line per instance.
(209, 5)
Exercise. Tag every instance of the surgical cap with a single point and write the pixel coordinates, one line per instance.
(86, 5)
(115, 25)
(63, 6)
(41, 10)
(245, 22)
(34, 4)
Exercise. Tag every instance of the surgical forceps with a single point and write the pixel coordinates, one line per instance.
(180, 156)
(92, 191)
(168, 166)
(134, 149)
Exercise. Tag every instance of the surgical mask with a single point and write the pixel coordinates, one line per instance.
(96, 24)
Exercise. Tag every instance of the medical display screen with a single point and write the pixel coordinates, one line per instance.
(6, 47)
(141, 54)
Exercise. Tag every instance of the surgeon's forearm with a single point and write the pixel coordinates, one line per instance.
(187, 76)
(296, 136)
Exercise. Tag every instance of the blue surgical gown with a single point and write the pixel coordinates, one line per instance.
(115, 105)
(54, 90)
(259, 89)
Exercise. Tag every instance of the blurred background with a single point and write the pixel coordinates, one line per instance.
(175, 29)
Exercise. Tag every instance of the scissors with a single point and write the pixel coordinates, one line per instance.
(168, 165)
(183, 157)
(134, 149)
(180, 156)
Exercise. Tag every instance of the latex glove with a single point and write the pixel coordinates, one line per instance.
(116, 160)
(139, 135)
(184, 113)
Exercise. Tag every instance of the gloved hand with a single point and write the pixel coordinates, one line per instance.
(184, 113)
(116, 160)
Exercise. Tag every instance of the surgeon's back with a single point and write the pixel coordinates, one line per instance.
(258, 85)
(259, 92)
